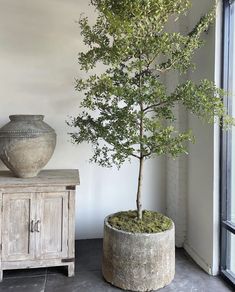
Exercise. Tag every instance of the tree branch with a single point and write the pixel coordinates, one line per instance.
(164, 70)
(136, 156)
(148, 154)
(155, 105)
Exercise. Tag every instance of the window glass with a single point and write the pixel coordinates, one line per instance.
(228, 150)
(231, 208)
(231, 253)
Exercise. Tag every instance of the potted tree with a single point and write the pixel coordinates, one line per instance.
(128, 113)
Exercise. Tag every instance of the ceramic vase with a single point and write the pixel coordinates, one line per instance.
(26, 144)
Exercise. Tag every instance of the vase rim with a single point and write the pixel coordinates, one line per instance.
(23, 117)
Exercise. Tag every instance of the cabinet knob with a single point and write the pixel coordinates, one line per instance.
(37, 226)
(32, 226)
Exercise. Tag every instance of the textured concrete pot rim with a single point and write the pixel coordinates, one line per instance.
(106, 223)
(24, 117)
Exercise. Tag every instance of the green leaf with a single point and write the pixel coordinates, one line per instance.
(127, 111)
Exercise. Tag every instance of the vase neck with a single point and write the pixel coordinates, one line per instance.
(26, 117)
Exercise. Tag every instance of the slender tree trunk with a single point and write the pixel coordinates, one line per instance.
(139, 189)
(141, 159)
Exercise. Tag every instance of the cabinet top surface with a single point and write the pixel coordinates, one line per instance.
(45, 177)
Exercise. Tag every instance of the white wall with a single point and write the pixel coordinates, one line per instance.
(203, 200)
(193, 183)
(176, 187)
(39, 42)
(176, 169)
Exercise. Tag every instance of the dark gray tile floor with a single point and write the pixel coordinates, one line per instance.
(189, 277)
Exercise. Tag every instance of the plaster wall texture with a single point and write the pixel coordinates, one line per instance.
(176, 169)
(192, 181)
(202, 238)
(40, 41)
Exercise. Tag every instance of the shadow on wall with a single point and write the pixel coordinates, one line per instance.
(2, 123)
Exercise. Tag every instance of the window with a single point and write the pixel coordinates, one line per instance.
(228, 149)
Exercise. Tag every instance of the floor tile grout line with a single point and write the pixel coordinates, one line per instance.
(50, 273)
(45, 281)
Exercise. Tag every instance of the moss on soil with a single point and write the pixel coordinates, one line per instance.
(152, 222)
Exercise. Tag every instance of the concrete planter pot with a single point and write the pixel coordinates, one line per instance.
(138, 262)
(26, 144)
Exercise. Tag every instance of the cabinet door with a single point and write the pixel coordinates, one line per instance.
(52, 225)
(17, 221)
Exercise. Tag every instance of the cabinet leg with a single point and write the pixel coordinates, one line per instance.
(71, 269)
(1, 275)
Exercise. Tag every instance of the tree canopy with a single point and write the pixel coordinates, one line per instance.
(127, 110)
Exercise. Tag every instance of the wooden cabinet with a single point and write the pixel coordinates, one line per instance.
(17, 239)
(52, 227)
(38, 220)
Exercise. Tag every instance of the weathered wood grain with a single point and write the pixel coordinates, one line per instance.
(45, 177)
(71, 269)
(71, 225)
(52, 235)
(36, 189)
(33, 264)
(37, 220)
(18, 242)
(1, 209)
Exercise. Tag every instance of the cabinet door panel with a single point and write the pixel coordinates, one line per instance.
(18, 240)
(52, 233)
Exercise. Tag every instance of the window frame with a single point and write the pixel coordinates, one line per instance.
(225, 158)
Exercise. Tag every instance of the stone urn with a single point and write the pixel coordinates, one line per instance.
(138, 261)
(26, 144)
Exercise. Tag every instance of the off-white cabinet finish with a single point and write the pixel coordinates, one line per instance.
(37, 220)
